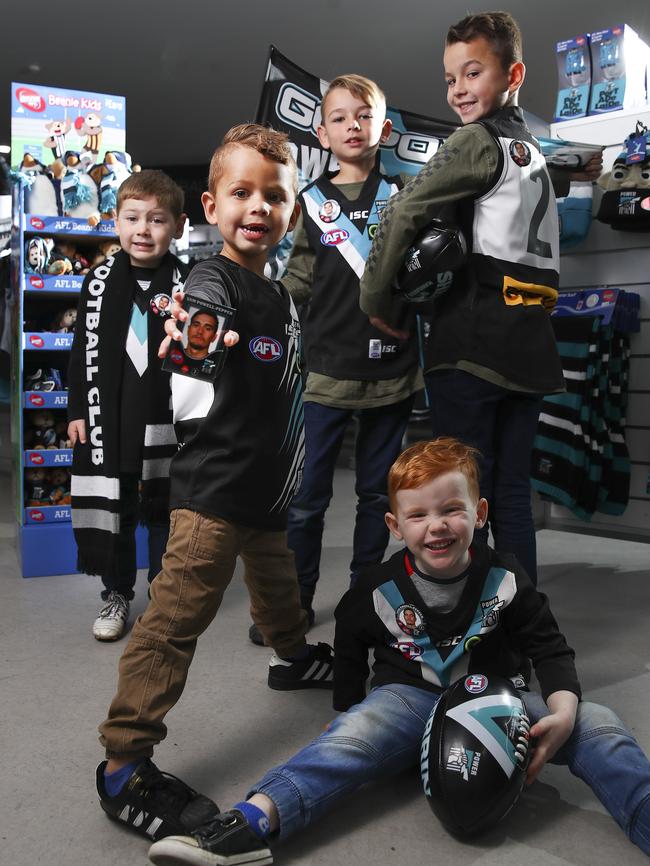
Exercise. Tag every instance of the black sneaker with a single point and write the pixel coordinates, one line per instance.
(155, 804)
(227, 840)
(314, 672)
(255, 634)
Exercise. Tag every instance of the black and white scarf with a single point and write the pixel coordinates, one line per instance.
(103, 320)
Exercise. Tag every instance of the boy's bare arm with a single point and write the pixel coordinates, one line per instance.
(462, 168)
(552, 732)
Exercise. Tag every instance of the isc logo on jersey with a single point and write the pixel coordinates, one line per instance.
(265, 349)
(336, 236)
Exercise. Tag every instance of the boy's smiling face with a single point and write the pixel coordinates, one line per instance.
(436, 521)
(146, 230)
(477, 83)
(254, 205)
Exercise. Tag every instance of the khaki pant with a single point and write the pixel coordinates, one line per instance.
(197, 567)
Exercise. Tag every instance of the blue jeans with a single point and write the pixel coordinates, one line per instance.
(122, 578)
(502, 424)
(379, 441)
(381, 736)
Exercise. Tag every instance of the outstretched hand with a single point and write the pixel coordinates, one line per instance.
(178, 314)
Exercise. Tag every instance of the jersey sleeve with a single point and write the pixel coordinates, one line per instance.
(350, 652)
(463, 167)
(206, 282)
(299, 274)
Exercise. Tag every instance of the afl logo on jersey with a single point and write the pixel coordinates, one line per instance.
(265, 349)
(335, 237)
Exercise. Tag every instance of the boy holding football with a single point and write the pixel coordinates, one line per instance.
(471, 611)
(491, 353)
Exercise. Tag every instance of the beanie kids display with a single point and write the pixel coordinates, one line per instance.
(625, 204)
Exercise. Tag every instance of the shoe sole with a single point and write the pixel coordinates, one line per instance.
(285, 686)
(173, 852)
(108, 637)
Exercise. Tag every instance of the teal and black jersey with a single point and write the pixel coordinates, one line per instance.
(242, 439)
(339, 340)
(499, 617)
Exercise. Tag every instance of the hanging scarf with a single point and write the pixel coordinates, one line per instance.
(96, 364)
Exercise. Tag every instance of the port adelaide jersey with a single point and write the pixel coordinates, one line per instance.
(339, 340)
(241, 436)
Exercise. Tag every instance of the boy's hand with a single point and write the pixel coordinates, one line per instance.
(552, 732)
(592, 170)
(378, 323)
(77, 430)
(178, 314)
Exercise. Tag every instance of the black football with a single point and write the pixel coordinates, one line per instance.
(475, 752)
(431, 262)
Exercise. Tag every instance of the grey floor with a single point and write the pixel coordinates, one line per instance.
(229, 727)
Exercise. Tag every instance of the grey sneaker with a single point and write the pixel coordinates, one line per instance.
(226, 840)
(111, 620)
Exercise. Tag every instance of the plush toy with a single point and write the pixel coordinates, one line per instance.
(109, 176)
(59, 480)
(64, 321)
(67, 252)
(44, 379)
(40, 194)
(44, 434)
(61, 430)
(625, 203)
(37, 491)
(38, 253)
(105, 251)
(76, 187)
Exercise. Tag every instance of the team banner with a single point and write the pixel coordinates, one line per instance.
(291, 99)
(290, 102)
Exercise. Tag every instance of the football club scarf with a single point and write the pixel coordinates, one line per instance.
(103, 321)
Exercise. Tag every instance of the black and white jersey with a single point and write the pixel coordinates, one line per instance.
(242, 440)
(515, 231)
(499, 617)
(495, 323)
(339, 340)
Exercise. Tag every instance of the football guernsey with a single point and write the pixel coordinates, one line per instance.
(499, 616)
(494, 323)
(241, 437)
(339, 340)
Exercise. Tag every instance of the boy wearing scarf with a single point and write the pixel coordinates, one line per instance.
(119, 400)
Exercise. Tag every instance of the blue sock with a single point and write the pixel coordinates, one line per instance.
(257, 820)
(114, 782)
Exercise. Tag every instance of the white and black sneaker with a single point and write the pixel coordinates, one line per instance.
(316, 671)
(112, 618)
(155, 804)
(225, 841)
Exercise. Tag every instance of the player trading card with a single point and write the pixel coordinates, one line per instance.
(201, 352)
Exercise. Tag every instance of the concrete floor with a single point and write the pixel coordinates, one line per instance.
(229, 727)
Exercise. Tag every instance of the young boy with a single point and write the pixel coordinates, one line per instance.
(120, 419)
(353, 369)
(491, 353)
(475, 611)
(231, 484)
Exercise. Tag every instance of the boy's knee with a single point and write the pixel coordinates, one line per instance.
(595, 719)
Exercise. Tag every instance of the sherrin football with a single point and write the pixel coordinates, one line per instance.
(436, 254)
(475, 752)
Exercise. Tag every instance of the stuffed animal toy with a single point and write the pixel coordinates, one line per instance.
(44, 379)
(59, 480)
(38, 253)
(40, 194)
(66, 251)
(625, 203)
(37, 489)
(105, 251)
(43, 429)
(61, 430)
(65, 321)
(77, 189)
(109, 176)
